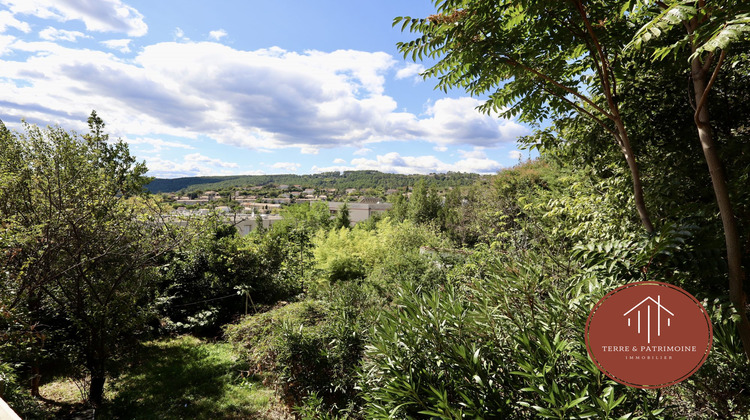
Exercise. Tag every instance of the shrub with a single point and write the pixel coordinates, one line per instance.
(508, 345)
(311, 348)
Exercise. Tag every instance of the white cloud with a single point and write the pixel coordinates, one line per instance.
(456, 121)
(99, 16)
(287, 166)
(411, 70)
(7, 20)
(309, 150)
(5, 42)
(264, 99)
(515, 155)
(54, 34)
(157, 144)
(179, 34)
(217, 34)
(393, 162)
(192, 165)
(474, 154)
(440, 148)
(123, 45)
(339, 161)
(199, 158)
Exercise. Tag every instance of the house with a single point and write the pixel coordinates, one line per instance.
(359, 211)
(246, 223)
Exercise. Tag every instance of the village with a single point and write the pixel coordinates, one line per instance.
(248, 208)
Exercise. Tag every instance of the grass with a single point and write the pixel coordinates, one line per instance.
(179, 378)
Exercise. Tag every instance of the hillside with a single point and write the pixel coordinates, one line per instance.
(348, 179)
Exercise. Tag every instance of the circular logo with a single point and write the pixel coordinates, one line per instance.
(648, 334)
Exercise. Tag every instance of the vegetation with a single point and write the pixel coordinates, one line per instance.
(463, 302)
(338, 180)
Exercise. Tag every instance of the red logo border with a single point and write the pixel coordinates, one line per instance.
(657, 283)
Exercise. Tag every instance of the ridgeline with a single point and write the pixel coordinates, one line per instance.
(347, 179)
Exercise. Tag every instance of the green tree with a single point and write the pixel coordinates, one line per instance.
(342, 218)
(536, 59)
(709, 30)
(85, 243)
(424, 203)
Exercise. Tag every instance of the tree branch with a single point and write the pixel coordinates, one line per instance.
(710, 84)
(606, 70)
(584, 111)
(560, 85)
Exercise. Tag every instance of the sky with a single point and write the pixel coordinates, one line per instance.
(245, 87)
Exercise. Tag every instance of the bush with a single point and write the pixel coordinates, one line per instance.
(16, 396)
(509, 345)
(311, 348)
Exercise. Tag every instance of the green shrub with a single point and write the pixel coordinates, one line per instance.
(508, 345)
(17, 397)
(311, 347)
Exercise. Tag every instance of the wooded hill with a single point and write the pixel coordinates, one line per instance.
(346, 179)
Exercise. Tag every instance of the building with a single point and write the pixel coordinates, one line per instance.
(246, 223)
(359, 211)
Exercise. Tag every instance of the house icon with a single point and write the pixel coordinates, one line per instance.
(646, 306)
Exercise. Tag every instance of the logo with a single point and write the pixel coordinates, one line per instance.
(648, 334)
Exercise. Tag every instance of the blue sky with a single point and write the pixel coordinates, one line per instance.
(244, 86)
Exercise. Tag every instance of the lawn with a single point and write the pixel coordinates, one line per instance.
(180, 378)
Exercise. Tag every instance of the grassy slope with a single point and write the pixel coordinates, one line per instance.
(181, 378)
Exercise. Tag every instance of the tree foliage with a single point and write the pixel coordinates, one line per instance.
(80, 243)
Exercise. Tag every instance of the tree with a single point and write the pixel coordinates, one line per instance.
(424, 203)
(535, 59)
(342, 218)
(710, 30)
(85, 239)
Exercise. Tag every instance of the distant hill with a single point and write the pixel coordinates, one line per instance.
(347, 179)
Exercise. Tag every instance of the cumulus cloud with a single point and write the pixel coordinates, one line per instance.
(440, 148)
(339, 161)
(515, 155)
(309, 150)
(393, 162)
(473, 154)
(287, 166)
(99, 16)
(456, 121)
(157, 144)
(199, 158)
(262, 99)
(54, 34)
(193, 164)
(122, 45)
(5, 42)
(217, 34)
(411, 70)
(7, 20)
(362, 152)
